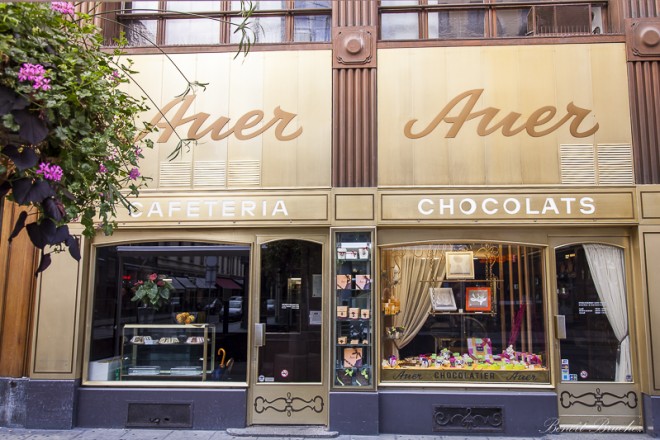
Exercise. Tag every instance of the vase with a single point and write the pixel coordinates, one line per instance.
(146, 315)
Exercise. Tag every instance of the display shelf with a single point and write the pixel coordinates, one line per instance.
(167, 352)
(353, 311)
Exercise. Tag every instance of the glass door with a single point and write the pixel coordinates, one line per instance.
(596, 385)
(289, 386)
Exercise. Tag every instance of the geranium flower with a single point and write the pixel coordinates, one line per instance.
(50, 172)
(62, 7)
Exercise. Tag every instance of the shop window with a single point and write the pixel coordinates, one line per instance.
(171, 23)
(464, 19)
(465, 313)
(196, 329)
(591, 298)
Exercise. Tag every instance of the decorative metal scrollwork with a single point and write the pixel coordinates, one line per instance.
(288, 404)
(598, 399)
(467, 419)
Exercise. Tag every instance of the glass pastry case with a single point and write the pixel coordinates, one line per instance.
(167, 352)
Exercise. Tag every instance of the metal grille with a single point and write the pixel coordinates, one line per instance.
(578, 166)
(175, 174)
(212, 173)
(615, 165)
(244, 173)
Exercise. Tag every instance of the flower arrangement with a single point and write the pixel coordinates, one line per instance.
(154, 292)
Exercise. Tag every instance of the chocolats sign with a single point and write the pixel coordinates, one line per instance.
(546, 206)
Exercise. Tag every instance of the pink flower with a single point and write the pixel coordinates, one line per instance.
(153, 277)
(50, 172)
(134, 174)
(102, 169)
(62, 7)
(34, 73)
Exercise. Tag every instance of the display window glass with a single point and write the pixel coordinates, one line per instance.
(170, 311)
(463, 313)
(591, 299)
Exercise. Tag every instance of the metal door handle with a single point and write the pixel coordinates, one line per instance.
(259, 334)
(560, 326)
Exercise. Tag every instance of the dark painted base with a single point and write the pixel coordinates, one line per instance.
(167, 408)
(49, 403)
(491, 413)
(354, 413)
(13, 394)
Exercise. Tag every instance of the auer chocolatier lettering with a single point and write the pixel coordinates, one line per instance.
(456, 114)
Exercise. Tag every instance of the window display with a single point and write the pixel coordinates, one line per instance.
(353, 324)
(467, 312)
(169, 307)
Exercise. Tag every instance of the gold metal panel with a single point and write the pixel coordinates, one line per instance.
(651, 256)
(289, 404)
(271, 107)
(354, 207)
(234, 209)
(495, 115)
(600, 404)
(497, 206)
(57, 319)
(650, 204)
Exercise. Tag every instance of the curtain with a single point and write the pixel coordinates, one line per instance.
(413, 295)
(607, 269)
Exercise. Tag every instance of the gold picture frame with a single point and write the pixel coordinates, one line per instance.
(459, 265)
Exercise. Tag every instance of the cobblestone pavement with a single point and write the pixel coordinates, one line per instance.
(152, 434)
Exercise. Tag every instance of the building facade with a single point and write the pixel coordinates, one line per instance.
(408, 217)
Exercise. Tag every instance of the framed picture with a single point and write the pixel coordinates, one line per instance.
(459, 265)
(478, 299)
(442, 299)
(352, 357)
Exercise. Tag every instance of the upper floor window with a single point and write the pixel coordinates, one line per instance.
(461, 19)
(170, 23)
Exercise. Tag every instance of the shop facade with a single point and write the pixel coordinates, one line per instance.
(458, 244)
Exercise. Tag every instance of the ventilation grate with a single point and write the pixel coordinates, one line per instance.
(244, 173)
(615, 164)
(578, 165)
(175, 174)
(210, 174)
(159, 415)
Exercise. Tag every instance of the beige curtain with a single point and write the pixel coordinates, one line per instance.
(413, 292)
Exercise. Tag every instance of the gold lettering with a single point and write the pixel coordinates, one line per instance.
(465, 104)
(198, 130)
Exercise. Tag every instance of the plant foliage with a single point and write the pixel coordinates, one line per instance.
(69, 144)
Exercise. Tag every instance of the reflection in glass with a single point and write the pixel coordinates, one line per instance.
(266, 30)
(261, 5)
(512, 22)
(143, 7)
(289, 306)
(194, 6)
(193, 31)
(141, 32)
(319, 4)
(457, 24)
(399, 26)
(311, 28)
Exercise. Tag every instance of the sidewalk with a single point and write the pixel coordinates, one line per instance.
(153, 434)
